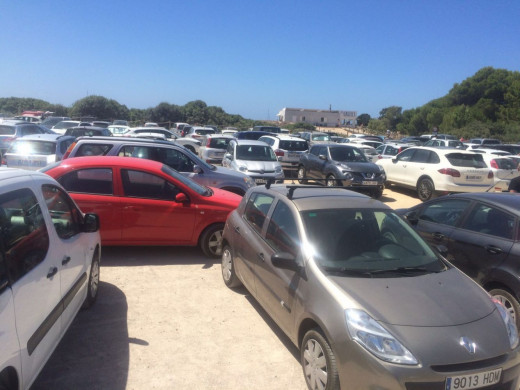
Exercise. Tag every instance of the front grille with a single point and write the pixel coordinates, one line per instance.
(441, 386)
(468, 366)
(262, 172)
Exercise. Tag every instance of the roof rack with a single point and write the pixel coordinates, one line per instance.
(292, 187)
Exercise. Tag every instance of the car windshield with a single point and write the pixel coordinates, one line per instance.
(65, 124)
(205, 191)
(204, 131)
(219, 143)
(320, 137)
(33, 147)
(367, 243)
(7, 130)
(255, 153)
(468, 160)
(347, 154)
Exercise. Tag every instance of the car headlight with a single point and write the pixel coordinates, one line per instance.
(376, 339)
(348, 175)
(512, 332)
(242, 168)
(278, 169)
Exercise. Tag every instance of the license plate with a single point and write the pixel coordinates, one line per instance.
(293, 155)
(473, 177)
(473, 381)
(369, 183)
(260, 181)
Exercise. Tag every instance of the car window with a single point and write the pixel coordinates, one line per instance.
(255, 153)
(282, 233)
(24, 235)
(256, 210)
(490, 220)
(31, 129)
(424, 156)
(406, 155)
(219, 143)
(469, 160)
(139, 184)
(33, 147)
(315, 150)
(89, 181)
(347, 155)
(65, 216)
(293, 146)
(64, 145)
(7, 130)
(444, 212)
(92, 150)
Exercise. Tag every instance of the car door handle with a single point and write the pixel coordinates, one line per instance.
(261, 256)
(65, 260)
(495, 250)
(53, 271)
(438, 236)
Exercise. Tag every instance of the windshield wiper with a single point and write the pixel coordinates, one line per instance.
(348, 271)
(404, 271)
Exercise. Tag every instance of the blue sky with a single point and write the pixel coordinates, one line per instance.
(253, 58)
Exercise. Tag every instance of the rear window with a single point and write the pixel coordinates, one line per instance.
(505, 163)
(6, 130)
(466, 160)
(219, 143)
(293, 146)
(33, 147)
(205, 131)
(92, 150)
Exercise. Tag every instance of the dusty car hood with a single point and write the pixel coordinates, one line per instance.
(229, 172)
(444, 299)
(359, 166)
(256, 166)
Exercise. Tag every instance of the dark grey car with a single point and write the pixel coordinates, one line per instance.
(342, 165)
(13, 129)
(366, 312)
(178, 157)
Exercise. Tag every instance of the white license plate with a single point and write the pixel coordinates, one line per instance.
(260, 181)
(293, 155)
(473, 381)
(473, 177)
(369, 183)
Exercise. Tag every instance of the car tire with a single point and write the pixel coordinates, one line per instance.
(228, 268)
(211, 240)
(301, 174)
(313, 348)
(376, 194)
(509, 301)
(8, 380)
(93, 282)
(332, 181)
(425, 189)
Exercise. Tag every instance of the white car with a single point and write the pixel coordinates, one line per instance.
(49, 268)
(433, 171)
(118, 129)
(504, 168)
(162, 133)
(197, 132)
(287, 148)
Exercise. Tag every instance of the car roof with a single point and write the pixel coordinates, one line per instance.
(112, 161)
(44, 137)
(149, 128)
(249, 142)
(10, 173)
(118, 140)
(442, 151)
(15, 122)
(285, 137)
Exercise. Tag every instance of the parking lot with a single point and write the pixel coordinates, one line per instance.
(164, 319)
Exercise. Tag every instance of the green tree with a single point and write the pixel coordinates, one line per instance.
(391, 116)
(99, 107)
(363, 119)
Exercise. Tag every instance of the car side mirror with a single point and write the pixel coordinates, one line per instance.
(90, 223)
(228, 156)
(197, 169)
(285, 260)
(181, 198)
(412, 218)
(322, 157)
(394, 160)
(442, 250)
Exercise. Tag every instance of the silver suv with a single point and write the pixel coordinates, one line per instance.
(178, 157)
(287, 148)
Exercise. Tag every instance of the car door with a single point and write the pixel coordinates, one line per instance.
(397, 169)
(34, 277)
(483, 241)
(276, 287)
(150, 213)
(229, 155)
(75, 251)
(314, 162)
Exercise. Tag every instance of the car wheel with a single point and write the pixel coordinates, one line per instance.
(190, 148)
(228, 268)
(8, 380)
(211, 240)
(332, 182)
(318, 361)
(301, 175)
(510, 303)
(376, 194)
(425, 189)
(93, 282)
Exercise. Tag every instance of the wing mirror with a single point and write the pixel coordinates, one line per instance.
(228, 156)
(285, 260)
(412, 218)
(181, 198)
(90, 223)
(394, 160)
(323, 157)
(197, 169)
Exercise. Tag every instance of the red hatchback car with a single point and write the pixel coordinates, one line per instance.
(144, 202)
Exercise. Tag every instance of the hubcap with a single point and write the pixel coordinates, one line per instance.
(315, 365)
(94, 278)
(331, 182)
(300, 173)
(226, 265)
(507, 304)
(215, 242)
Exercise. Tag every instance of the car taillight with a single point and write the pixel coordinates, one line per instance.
(379, 156)
(69, 149)
(490, 175)
(449, 172)
(208, 143)
(493, 164)
(279, 153)
(4, 161)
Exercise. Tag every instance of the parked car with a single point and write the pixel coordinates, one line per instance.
(288, 149)
(118, 129)
(365, 141)
(61, 127)
(198, 132)
(250, 135)
(10, 130)
(88, 131)
(481, 235)
(268, 129)
(36, 151)
(103, 124)
(151, 124)
(144, 202)
(254, 158)
(50, 121)
(341, 165)
(391, 150)
(504, 168)
(175, 156)
(365, 311)
(49, 268)
(119, 122)
(161, 133)
(482, 142)
(214, 147)
(315, 137)
(511, 148)
(446, 143)
(432, 171)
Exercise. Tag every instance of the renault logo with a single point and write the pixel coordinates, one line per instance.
(468, 344)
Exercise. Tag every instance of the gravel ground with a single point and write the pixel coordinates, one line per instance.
(164, 319)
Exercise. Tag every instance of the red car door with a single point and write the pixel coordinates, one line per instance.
(150, 214)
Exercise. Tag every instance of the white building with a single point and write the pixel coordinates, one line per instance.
(329, 118)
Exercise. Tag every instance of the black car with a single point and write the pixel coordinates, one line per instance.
(481, 234)
(341, 165)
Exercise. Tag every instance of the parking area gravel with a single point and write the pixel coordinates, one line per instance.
(164, 319)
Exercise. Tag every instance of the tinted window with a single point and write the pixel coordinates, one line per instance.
(219, 143)
(31, 129)
(347, 155)
(256, 210)
(421, 156)
(255, 153)
(470, 160)
(294, 146)
(66, 218)
(92, 150)
(406, 155)
(138, 184)
(89, 181)
(444, 212)
(316, 150)
(7, 130)
(505, 163)
(282, 233)
(489, 220)
(24, 235)
(33, 147)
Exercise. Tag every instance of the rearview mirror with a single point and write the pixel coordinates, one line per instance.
(90, 223)
(285, 260)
